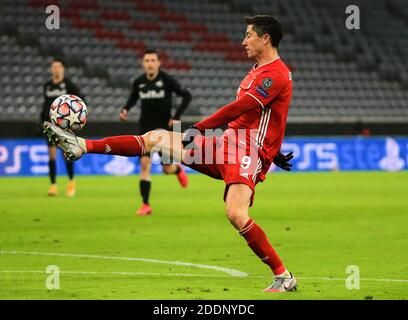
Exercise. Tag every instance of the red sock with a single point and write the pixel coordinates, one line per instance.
(259, 243)
(120, 145)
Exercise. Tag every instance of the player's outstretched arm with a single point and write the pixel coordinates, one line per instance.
(264, 90)
(229, 113)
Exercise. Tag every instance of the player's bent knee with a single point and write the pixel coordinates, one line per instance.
(237, 217)
(155, 137)
(145, 164)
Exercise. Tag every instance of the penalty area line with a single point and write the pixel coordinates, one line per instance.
(361, 279)
(344, 279)
(127, 273)
(121, 273)
(231, 272)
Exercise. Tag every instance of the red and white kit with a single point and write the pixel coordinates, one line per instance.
(256, 127)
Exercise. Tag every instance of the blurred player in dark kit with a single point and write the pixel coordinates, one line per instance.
(57, 86)
(155, 89)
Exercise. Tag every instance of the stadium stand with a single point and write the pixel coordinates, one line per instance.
(339, 73)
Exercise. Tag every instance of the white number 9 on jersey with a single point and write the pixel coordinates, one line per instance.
(246, 162)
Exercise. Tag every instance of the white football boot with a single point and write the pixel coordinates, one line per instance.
(282, 284)
(73, 147)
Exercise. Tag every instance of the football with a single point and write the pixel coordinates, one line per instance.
(69, 112)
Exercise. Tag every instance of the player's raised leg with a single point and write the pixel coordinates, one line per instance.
(163, 141)
(237, 205)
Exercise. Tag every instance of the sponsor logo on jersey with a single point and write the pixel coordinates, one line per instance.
(262, 91)
(152, 94)
(142, 85)
(267, 83)
(55, 92)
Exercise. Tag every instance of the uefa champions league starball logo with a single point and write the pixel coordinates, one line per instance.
(392, 160)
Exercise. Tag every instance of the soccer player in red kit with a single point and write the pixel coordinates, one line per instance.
(241, 156)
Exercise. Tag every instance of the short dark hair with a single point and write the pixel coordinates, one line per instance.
(151, 51)
(264, 24)
(58, 60)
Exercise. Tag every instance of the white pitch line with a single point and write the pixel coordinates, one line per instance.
(125, 273)
(361, 279)
(231, 272)
(344, 279)
(121, 273)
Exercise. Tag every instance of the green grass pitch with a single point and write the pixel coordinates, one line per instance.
(319, 223)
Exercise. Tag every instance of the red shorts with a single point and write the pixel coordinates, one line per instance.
(226, 158)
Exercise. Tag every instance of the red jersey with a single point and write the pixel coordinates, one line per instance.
(271, 85)
(261, 109)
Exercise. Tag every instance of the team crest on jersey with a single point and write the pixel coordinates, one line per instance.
(267, 83)
(159, 83)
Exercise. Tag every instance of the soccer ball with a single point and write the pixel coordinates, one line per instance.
(69, 112)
